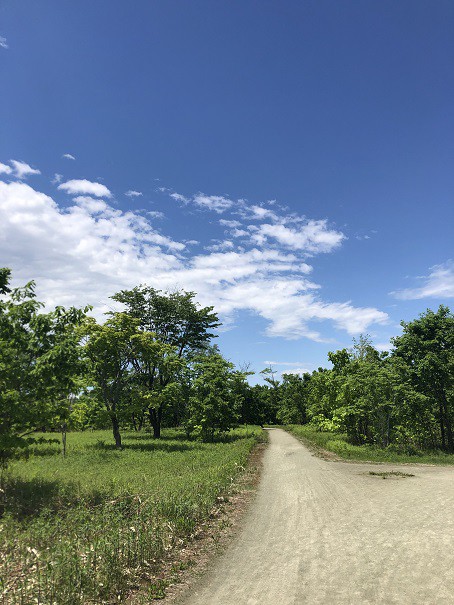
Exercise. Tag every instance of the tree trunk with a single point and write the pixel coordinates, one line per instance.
(116, 431)
(448, 425)
(155, 421)
(442, 427)
(134, 423)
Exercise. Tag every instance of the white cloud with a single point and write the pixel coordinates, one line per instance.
(82, 186)
(217, 203)
(219, 246)
(57, 179)
(282, 363)
(176, 196)
(3, 42)
(155, 214)
(313, 237)
(298, 371)
(438, 284)
(5, 169)
(68, 156)
(83, 254)
(22, 170)
(239, 233)
(132, 193)
(259, 213)
(383, 346)
(94, 205)
(230, 224)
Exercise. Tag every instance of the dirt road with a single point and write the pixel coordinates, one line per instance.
(330, 533)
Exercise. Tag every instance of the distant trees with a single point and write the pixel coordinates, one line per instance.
(402, 400)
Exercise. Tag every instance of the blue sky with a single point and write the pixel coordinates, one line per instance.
(294, 162)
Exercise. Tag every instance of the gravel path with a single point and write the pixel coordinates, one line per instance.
(330, 533)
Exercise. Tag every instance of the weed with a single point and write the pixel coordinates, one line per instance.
(389, 474)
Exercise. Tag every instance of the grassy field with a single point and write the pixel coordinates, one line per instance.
(336, 443)
(92, 527)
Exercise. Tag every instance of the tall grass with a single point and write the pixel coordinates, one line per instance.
(338, 444)
(91, 527)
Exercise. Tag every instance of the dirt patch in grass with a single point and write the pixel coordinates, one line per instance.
(185, 562)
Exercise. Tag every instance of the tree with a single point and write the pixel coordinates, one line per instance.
(293, 400)
(107, 350)
(214, 402)
(273, 394)
(155, 370)
(39, 364)
(173, 320)
(174, 317)
(426, 352)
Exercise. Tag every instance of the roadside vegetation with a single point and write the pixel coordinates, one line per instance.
(94, 526)
(338, 444)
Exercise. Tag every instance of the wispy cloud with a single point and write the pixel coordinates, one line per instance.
(68, 156)
(231, 224)
(176, 196)
(57, 179)
(3, 42)
(312, 237)
(155, 214)
(23, 170)
(84, 253)
(5, 169)
(438, 284)
(217, 203)
(297, 371)
(82, 186)
(282, 363)
(132, 193)
(220, 245)
(383, 346)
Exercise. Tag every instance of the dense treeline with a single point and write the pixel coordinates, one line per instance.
(153, 364)
(402, 400)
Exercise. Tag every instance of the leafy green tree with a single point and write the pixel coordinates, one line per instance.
(293, 400)
(173, 320)
(426, 352)
(107, 350)
(39, 365)
(156, 367)
(272, 394)
(174, 317)
(214, 402)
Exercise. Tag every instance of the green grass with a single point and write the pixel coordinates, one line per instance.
(338, 444)
(92, 527)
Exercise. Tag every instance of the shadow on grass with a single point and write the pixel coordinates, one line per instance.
(24, 498)
(150, 446)
(49, 450)
(149, 437)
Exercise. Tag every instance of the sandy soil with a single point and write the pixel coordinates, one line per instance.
(330, 533)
